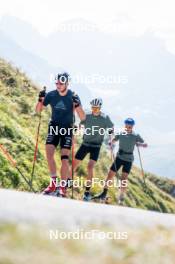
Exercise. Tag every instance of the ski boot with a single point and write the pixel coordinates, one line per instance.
(49, 190)
(60, 192)
(101, 197)
(87, 197)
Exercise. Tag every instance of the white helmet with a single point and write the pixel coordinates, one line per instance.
(97, 102)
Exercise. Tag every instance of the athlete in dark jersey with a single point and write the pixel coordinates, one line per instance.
(62, 107)
(63, 102)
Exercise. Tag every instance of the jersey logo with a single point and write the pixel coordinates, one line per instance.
(60, 105)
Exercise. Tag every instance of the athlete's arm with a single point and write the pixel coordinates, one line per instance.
(80, 112)
(144, 145)
(109, 123)
(39, 107)
(78, 108)
(140, 142)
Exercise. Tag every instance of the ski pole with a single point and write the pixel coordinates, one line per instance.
(112, 153)
(14, 164)
(73, 154)
(42, 95)
(36, 150)
(141, 166)
(113, 156)
(72, 168)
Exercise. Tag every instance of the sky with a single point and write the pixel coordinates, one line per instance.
(132, 17)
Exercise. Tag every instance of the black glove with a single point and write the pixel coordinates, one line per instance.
(42, 94)
(110, 131)
(76, 100)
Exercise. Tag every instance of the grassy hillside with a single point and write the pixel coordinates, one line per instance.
(18, 124)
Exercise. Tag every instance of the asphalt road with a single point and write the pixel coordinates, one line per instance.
(21, 207)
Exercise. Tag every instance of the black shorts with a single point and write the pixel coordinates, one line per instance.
(84, 150)
(62, 137)
(127, 165)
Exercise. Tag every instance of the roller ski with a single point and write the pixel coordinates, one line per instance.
(60, 192)
(55, 190)
(121, 199)
(102, 197)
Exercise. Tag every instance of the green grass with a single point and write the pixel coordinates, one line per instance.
(31, 244)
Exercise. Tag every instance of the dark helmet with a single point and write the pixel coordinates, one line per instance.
(63, 77)
(129, 121)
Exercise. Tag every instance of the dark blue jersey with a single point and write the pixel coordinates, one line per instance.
(62, 107)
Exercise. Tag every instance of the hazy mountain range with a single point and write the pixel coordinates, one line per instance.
(147, 68)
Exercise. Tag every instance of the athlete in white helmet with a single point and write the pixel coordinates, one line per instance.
(92, 140)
